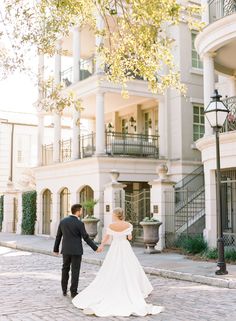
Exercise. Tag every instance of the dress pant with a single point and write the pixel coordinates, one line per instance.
(73, 262)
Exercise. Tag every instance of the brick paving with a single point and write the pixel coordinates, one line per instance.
(30, 291)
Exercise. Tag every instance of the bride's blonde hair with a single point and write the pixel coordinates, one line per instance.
(118, 212)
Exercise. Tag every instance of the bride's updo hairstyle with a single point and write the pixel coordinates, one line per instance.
(119, 213)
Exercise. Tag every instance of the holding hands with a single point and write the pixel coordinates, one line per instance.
(100, 249)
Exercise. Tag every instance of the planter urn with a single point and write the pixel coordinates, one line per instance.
(151, 235)
(91, 226)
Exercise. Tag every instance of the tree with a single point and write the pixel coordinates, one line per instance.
(135, 30)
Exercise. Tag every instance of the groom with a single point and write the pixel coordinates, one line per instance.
(72, 230)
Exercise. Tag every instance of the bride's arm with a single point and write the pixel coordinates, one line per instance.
(130, 237)
(105, 240)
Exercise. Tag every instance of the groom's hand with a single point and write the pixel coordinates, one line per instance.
(56, 253)
(99, 249)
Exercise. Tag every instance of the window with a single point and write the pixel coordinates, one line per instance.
(23, 150)
(198, 122)
(124, 126)
(196, 62)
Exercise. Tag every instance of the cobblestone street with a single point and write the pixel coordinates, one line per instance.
(30, 291)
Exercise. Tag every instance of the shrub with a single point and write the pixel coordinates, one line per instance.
(230, 255)
(1, 211)
(28, 212)
(192, 244)
(211, 254)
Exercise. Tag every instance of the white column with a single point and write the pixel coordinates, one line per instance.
(75, 134)
(76, 55)
(57, 137)
(162, 128)
(114, 196)
(210, 231)
(40, 136)
(232, 85)
(209, 85)
(57, 70)
(9, 219)
(98, 42)
(100, 124)
(162, 205)
(55, 214)
(40, 74)
(205, 13)
(20, 212)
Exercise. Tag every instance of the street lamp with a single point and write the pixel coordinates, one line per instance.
(216, 113)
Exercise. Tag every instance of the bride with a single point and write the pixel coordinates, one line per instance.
(121, 285)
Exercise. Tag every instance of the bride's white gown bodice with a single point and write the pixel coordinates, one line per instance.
(120, 286)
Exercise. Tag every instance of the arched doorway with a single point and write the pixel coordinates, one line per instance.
(47, 206)
(64, 202)
(86, 194)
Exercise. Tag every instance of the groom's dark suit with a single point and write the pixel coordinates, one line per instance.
(71, 230)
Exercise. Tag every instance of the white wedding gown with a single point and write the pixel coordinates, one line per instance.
(120, 286)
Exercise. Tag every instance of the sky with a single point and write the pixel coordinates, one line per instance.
(17, 93)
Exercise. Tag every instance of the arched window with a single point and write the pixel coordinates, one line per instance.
(64, 202)
(86, 194)
(47, 207)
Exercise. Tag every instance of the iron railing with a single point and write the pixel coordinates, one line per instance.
(132, 145)
(67, 76)
(220, 8)
(47, 154)
(87, 67)
(186, 220)
(116, 144)
(230, 123)
(191, 178)
(87, 145)
(65, 150)
(137, 207)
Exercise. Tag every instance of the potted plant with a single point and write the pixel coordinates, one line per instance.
(90, 221)
(150, 233)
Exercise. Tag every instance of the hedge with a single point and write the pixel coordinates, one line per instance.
(1, 211)
(28, 212)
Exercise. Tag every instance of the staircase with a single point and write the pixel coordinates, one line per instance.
(190, 203)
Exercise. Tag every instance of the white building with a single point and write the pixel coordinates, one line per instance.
(216, 46)
(132, 136)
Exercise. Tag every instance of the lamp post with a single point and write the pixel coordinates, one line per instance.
(216, 113)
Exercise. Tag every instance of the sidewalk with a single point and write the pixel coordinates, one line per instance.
(170, 265)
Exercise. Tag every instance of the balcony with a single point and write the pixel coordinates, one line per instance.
(116, 145)
(221, 8)
(87, 69)
(230, 124)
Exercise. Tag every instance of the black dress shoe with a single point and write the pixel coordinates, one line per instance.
(64, 293)
(73, 294)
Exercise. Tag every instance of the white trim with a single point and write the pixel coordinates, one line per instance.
(196, 71)
(199, 101)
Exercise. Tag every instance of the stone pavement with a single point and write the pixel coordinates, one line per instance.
(170, 265)
(30, 291)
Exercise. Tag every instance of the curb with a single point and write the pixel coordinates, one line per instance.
(183, 276)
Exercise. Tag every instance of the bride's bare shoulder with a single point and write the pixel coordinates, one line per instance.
(119, 226)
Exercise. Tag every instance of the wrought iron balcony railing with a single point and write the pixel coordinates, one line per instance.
(220, 8)
(132, 145)
(116, 145)
(87, 69)
(230, 123)
(65, 150)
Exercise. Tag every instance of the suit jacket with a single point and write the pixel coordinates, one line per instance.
(72, 230)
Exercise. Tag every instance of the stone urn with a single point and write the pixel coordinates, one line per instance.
(91, 226)
(151, 235)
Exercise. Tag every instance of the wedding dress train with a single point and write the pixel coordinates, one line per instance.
(120, 286)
